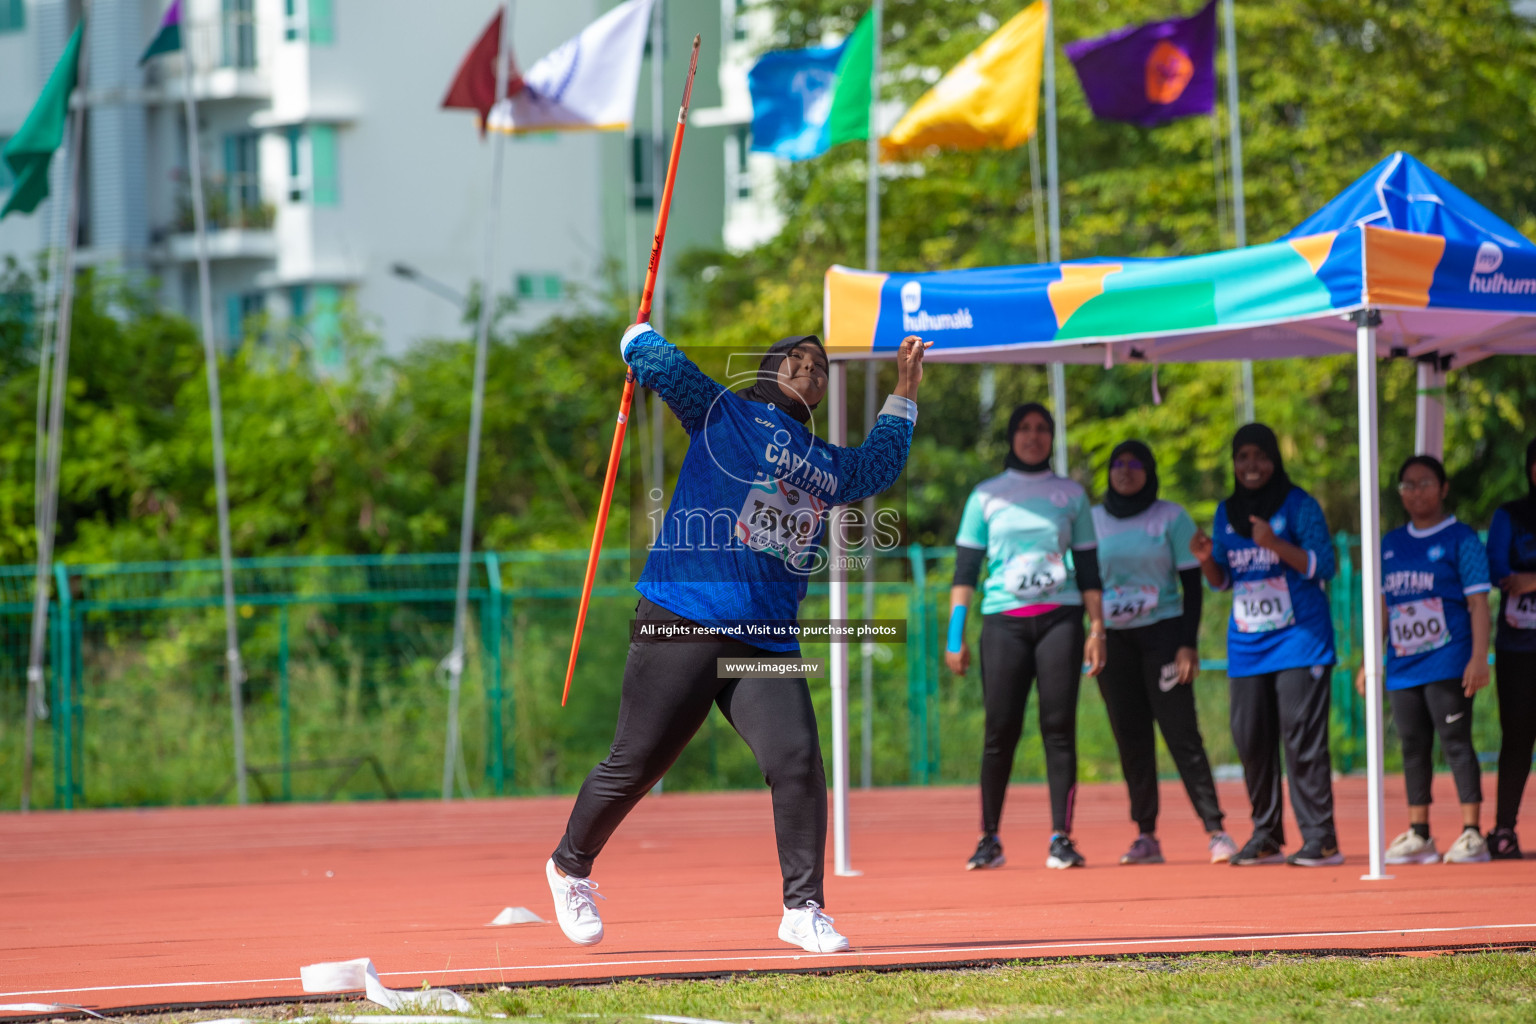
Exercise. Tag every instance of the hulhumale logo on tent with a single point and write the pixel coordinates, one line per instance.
(913, 318)
(1486, 279)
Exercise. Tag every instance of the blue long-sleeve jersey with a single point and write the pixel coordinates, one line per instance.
(742, 535)
(1280, 617)
(1512, 549)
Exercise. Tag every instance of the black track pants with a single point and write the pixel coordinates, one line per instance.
(1419, 712)
(1139, 688)
(1015, 652)
(1517, 721)
(1288, 708)
(667, 691)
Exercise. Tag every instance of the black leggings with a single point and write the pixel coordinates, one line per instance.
(1517, 721)
(1419, 712)
(1139, 687)
(668, 689)
(1015, 651)
(1287, 708)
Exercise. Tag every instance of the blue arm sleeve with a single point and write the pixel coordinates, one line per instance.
(874, 465)
(1312, 533)
(1472, 565)
(1499, 537)
(662, 367)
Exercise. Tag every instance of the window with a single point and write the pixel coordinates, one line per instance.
(13, 15)
(325, 325)
(242, 177)
(738, 22)
(298, 302)
(290, 20)
(325, 189)
(240, 308)
(312, 171)
(642, 171)
(322, 23)
(540, 287)
(239, 34)
(738, 176)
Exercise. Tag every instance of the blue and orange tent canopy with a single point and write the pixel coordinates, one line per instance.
(1449, 277)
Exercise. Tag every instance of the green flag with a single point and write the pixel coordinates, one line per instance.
(30, 150)
(168, 38)
(849, 116)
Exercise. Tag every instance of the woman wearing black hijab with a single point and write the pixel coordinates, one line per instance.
(1272, 549)
(1152, 602)
(755, 467)
(1023, 525)
(1512, 567)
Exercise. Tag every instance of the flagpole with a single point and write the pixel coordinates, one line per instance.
(455, 660)
(1053, 202)
(1235, 150)
(234, 666)
(50, 505)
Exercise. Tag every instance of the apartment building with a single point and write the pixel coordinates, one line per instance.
(332, 176)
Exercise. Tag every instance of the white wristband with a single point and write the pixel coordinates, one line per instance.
(902, 408)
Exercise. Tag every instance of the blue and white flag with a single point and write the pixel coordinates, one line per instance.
(806, 101)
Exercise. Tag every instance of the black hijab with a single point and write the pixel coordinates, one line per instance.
(1012, 461)
(766, 389)
(1123, 506)
(1263, 501)
(1522, 511)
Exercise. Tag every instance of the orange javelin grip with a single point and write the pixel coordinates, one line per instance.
(644, 314)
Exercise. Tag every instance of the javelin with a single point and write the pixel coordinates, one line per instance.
(641, 317)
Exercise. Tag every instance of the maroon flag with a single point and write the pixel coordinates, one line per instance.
(474, 87)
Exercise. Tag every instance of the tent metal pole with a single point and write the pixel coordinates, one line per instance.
(1235, 147)
(1053, 203)
(1429, 411)
(871, 398)
(837, 651)
(1366, 322)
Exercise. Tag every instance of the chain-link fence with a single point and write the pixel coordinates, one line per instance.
(345, 696)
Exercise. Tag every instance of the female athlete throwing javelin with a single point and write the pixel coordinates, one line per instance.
(755, 469)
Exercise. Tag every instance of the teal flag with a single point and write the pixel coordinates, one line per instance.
(31, 149)
(168, 38)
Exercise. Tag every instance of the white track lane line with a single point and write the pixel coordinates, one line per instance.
(944, 953)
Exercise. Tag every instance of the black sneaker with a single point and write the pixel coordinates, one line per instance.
(989, 854)
(1063, 854)
(1258, 850)
(1316, 853)
(1503, 844)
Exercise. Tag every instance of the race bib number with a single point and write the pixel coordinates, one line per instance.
(782, 521)
(1259, 606)
(1123, 606)
(1520, 612)
(1036, 576)
(1417, 626)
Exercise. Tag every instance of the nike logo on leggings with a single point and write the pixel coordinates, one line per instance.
(1451, 718)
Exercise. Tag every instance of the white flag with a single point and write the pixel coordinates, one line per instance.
(586, 84)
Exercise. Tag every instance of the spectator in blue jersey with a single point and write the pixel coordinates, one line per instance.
(1434, 584)
(1024, 525)
(1512, 565)
(1272, 550)
(1152, 599)
(754, 466)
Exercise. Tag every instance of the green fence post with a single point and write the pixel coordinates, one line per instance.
(917, 667)
(490, 633)
(63, 710)
(282, 700)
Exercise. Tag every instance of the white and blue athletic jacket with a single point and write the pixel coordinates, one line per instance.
(742, 535)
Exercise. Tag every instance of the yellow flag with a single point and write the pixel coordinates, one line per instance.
(991, 98)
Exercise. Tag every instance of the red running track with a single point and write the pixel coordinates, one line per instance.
(118, 909)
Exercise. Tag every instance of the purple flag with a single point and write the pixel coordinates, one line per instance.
(1153, 73)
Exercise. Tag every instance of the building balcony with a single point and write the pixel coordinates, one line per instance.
(225, 61)
(240, 224)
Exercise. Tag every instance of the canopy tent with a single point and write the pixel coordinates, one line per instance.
(1400, 264)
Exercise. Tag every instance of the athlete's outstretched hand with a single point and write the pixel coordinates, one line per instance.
(909, 365)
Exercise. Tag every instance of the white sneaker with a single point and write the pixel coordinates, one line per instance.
(1409, 848)
(811, 929)
(1469, 848)
(574, 908)
(1223, 849)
